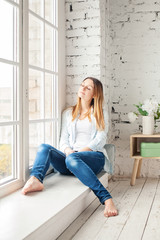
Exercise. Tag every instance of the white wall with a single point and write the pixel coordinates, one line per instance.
(85, 44)
(135, 72)
(116, 41)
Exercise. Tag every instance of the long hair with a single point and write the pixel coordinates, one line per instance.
(96, 104)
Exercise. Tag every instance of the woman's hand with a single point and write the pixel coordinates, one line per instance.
(68, 151)
(85, 149)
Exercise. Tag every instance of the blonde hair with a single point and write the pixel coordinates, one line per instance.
(96, 104)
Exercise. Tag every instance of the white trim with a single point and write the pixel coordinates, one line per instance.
(25, 93)
(12, 3)
(20, 97)
(10, 123)
(10, 187)
(61, 58)
(42, 70)
(43, 120)
(44, 65)
(14, 181)
(9, 62)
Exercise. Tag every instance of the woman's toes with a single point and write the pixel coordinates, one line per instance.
(110, 209)
(32, 185)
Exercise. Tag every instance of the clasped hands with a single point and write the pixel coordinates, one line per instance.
(68, 150)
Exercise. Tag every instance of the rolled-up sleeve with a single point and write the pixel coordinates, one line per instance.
(100, 139)
(64, 136)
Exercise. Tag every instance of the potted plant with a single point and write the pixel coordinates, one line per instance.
(150, 112)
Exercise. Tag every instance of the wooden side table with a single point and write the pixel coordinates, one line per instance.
(135, 143)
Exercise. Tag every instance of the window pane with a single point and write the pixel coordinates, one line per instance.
(55, 51)
(48, 133)
(6, 152)
(16, 35)
(6, 89)
(9, 31)
(48, 95)
(36, 6)
(16, 97)
(49, 51)
(36, 93)
(49, 6)
(36, 137)
(35, 41)
(56, 13)
(55, 97)
(51, 11)
(55, 134)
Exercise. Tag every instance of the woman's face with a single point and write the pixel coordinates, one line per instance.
(86, 90)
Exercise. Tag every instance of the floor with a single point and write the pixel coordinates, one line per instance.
(139, 214)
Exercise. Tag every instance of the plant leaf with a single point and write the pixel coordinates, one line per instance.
(143, 113)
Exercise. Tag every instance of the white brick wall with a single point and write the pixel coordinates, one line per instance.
(117, 42)
(85, 44)
(134, 75)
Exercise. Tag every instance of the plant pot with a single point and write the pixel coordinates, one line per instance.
(148, 125)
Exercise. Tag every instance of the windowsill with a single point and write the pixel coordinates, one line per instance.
(35, 215)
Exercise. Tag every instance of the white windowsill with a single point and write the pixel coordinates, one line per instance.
(45, 215)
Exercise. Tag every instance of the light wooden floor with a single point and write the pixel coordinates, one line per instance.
(139, 214)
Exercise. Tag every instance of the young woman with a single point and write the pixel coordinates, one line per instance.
(83, 136)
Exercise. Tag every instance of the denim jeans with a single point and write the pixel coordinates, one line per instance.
(84, 165)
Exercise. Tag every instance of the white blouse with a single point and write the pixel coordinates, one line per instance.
(83, 131)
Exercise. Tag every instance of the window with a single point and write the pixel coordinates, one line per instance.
(43, 74)
(10, 74)
(30, 103)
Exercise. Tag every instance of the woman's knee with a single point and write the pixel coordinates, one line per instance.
(71, 161)
(43, 147)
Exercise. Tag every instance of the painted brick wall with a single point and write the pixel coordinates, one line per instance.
(118, 42)
(135, 72)
(85, 44)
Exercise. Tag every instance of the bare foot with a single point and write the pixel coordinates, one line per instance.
(110, 209)
(32, 185)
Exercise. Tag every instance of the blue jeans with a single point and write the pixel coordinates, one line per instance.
(84, 165)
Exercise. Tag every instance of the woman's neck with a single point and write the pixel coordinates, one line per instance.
(85, 106)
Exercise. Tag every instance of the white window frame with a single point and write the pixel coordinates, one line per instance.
(14, 184)
(24, 67)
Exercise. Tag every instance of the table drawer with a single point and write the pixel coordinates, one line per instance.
(150, 149)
